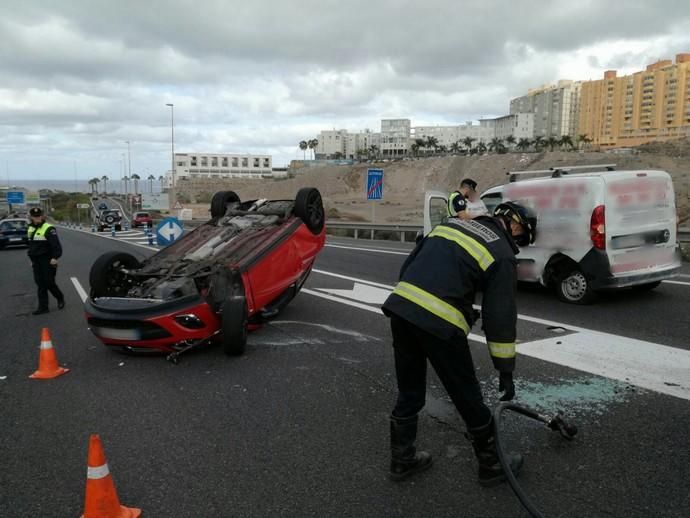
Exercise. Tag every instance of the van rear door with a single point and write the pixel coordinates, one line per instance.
(640, 214)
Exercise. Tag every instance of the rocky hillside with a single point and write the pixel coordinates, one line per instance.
(343, 187)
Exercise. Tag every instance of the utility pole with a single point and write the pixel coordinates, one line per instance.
(172, 155)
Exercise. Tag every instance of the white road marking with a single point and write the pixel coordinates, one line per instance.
(648, 365)
(378, 250)
(677, 282)
(362, 292)
(78, 287)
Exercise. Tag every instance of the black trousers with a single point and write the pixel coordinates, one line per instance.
(452, 361)
(44, 275)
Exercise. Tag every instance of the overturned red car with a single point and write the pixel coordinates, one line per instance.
(231, 273)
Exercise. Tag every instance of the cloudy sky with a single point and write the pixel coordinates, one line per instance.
(79, 78)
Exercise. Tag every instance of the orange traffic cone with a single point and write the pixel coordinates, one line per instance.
(47, 361)
(101, 498)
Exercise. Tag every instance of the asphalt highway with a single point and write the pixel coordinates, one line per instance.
(298, 425)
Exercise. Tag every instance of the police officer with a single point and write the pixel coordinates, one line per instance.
(431, 314)
(44, 252)
(465, 203)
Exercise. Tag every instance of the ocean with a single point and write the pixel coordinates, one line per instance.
(79, 185)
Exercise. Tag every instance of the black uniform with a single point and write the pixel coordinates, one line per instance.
(431, 313)
(44, 245)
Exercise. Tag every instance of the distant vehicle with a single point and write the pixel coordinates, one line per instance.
(94, 198)
(595, 230)
(111, 218)
(13, 232)
(142, 219)
(213, 284)
(102, 206)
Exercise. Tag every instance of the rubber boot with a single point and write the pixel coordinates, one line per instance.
(405, 459)
(490, 470)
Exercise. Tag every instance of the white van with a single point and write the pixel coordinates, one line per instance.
(595, 230)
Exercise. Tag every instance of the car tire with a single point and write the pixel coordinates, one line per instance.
(234, 322)
(219, 203)
(309, 208)
(110, 220)
(574, 288)
(646, 287)
(106, 278)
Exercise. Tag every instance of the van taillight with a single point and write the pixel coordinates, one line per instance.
(597, 228)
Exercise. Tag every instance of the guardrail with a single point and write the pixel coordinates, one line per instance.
(684, 235)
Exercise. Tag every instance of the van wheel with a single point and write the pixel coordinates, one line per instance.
(646, 287)
(234, 322)
(574, 288)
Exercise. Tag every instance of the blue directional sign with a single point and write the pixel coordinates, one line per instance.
(374, 184)
(168, 231)
(15, 197)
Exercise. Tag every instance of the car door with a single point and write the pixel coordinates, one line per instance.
(435, 209)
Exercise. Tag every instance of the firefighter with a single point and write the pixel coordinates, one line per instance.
(465, 203)
(431, 314)
(44, 252)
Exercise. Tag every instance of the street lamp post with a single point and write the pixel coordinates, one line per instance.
(172, 153)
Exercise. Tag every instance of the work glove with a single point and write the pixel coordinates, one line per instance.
(506, 385)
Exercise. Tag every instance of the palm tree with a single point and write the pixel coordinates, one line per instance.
(496, 144)
(510, 139)
(455, 147)
(468, 142)
(481, 148)
(415, 149)
(303, 145)
(432, 142)
(552, 142)
(136, 179)
(125, 179)
(583, 139)
(105, 183)
(151, 178)
(93, 183)
(338, 155)
(161, 179)
(374, 150)
(523, 144)
(312, 144)
(566, 142)
(538, 143)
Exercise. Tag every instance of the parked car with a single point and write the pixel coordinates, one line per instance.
(141, 219)
(111, 218)
(596, 230)
(13, 232)
(213, 284)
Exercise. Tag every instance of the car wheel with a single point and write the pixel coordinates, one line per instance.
(309, 208)
(107, 278)
(646, 287)
(110, 220)
(219, 203)
(574, 288)
(234, 325)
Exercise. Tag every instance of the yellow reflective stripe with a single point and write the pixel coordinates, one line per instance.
(451, 210)
(471, 246)
(432, 304)
(502, 350)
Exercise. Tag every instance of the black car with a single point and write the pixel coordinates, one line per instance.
(103, 206)
(13, 232)
(111, 218)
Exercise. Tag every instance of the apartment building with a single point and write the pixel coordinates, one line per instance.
(519, 125)
(208, 165)
(649, 105)
(449, 135)
(395, 137)
(341, 143)
(555, 107)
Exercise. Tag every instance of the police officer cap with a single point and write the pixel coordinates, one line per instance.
(35, 212)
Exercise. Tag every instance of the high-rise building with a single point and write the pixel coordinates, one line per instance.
(395, 137)
(653, 104)
(555, 108)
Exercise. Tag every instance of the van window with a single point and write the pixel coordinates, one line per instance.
(492, 201)
(438, 211)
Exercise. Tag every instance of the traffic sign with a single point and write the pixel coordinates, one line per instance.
(374, 184)
(15, 197)
(168, 230)
(83, 206)
(177, 206)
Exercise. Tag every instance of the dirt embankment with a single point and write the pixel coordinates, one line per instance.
(343, 187)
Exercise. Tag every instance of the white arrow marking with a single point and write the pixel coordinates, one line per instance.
(361, 293)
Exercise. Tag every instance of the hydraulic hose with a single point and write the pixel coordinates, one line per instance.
(554, 423)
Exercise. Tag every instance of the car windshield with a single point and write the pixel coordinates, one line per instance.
(141, 215)
(13, 225)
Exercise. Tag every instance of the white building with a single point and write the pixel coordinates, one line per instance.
(519, 125)
(449, 135)
(208, 165)
(340, 143)
(556, 108)
(395, 137)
